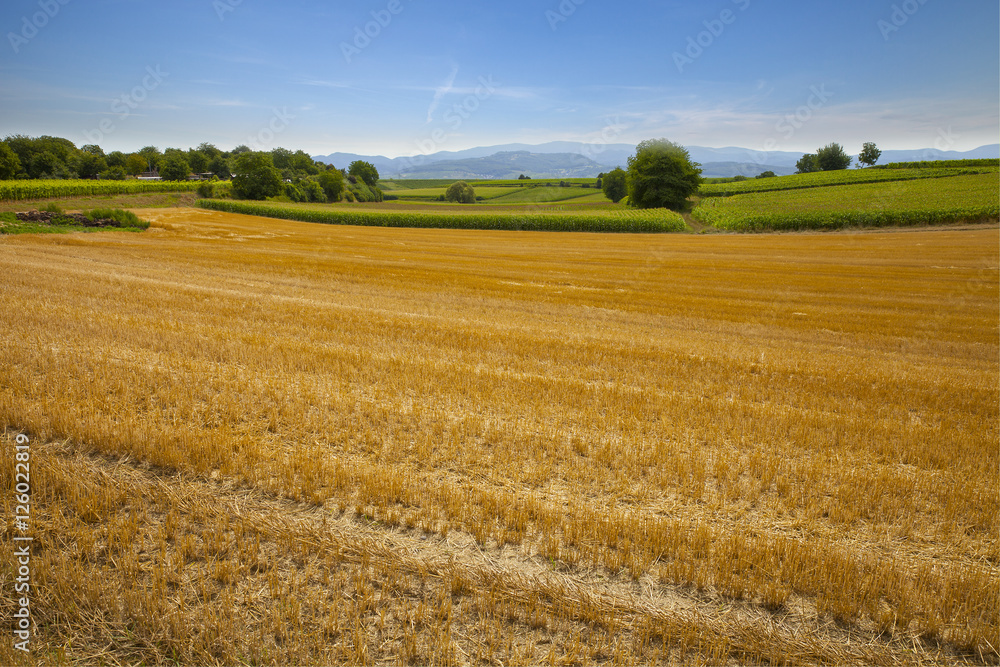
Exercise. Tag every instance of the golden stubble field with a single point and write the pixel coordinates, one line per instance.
(259, 441)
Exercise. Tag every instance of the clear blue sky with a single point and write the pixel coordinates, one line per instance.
(451, 75)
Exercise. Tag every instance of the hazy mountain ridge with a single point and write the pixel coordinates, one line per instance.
(507, 165)
(574, 159)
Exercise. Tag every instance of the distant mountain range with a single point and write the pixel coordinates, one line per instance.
(566, 159)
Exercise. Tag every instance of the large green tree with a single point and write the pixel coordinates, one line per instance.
(832, 158)
(301, 162)
(208, 150)
(661, 175)
(807, 164)
(116, 159)
(332, 182)
(9, 162)
(282, 158)
(366, 171)
(461, 193)
(90, 161)
(615, 184)
(256, 177)
(220, 168)
(135, 164)
(152, 155)
(175, 167)
(198, 161)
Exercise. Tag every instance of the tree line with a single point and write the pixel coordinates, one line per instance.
(254, 174)
(833, 158)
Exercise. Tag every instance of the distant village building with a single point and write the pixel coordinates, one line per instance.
(149, 176)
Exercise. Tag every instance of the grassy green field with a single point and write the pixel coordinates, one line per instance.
(539, 195)
(832, 178)
(949, 199)
(915, 195)
(415, 183)
(486, 192)
(500, 192)
(468, 217)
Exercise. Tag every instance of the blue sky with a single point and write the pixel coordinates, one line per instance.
(401, 77)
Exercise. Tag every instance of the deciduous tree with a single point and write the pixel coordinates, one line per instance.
(175, 168)
(460, 192)
(9, 162)
(661, 174)
(366, 171)
(256, 177)
(332, 182)
(832, 158)
(807, 164)
(869, 154)
(615, 184)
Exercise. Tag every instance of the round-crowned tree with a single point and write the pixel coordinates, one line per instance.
(661, 175)
(9, 162)
(332, 182)
(256, 177)
(807, 164)
(832, 158)
(615, 184)
(174, 168)
(460, 192)
(365, 171)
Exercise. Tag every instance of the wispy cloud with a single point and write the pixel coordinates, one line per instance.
(440, 92)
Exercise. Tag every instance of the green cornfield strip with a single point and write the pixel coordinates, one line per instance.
(831, 178)
(42, 189)
(932, 164)
(628, 221)
(897, 203)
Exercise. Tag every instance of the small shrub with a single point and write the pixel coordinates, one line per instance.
(114, 174)
(206, 189)
(123, 218)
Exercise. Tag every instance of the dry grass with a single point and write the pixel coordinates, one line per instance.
(274, 442)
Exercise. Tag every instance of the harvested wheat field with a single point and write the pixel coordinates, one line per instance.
(260, 441)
